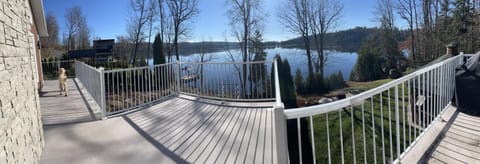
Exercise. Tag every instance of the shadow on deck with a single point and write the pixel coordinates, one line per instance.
(454, 138)
(460, 143)
(59, 109)
(181, 129)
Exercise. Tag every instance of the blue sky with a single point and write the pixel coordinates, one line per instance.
(108, 18)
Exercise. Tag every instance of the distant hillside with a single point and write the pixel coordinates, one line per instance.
(187, 48)
(347, 40)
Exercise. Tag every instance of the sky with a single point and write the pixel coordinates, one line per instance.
(108, 18)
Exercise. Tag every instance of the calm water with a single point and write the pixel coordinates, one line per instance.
(337, 61)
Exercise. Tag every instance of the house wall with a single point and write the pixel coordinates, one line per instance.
(21, 135)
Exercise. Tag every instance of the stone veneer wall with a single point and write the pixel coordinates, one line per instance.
(21, 134)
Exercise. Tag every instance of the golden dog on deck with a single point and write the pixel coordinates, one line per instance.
(62, 81)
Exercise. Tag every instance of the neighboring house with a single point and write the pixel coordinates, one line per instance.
(102, 51)
(22, 22)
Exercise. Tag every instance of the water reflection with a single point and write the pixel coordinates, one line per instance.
(337, 61)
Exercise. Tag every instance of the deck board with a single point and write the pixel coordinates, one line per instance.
(210, 144)
(205, 132)
(58, 109)
(231, 138)
(222, 140)
(461, 142)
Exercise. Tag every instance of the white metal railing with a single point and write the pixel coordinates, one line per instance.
(129, 88)
(92, 80)
(226, 81)
(126, 89)
(379, 125)
(50, 68)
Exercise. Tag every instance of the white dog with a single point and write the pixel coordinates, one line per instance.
(62, 81)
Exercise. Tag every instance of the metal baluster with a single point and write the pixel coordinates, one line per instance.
(353, 135)
(390, 126)
(409, 108)
(363, 135)
(403, 117)
(381, 118)
(123, 99)
(341, 134)
(328, 139)
(107, 93)
(424, 84)
(397, 121)
(415, 108)
(373, 130)
(312, 137)
(299, 139)
(149, 72)
(428, 98)
(442, 84)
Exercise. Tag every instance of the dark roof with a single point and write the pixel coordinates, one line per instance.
(81, 53)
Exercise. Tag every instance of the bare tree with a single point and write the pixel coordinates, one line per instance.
(152, 9)
(136, 27)
(325, 15)
(83, 36)
(244, 18)
(203, 48)
(51, 42)
(389, 46)
(181, 11)
(406, 10)
(74, 20)
(296, 18)
(165, 28)
(122, 48)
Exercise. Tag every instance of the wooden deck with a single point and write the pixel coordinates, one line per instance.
(181, 129)
(58, 109)
(461, 142)
(201, 132)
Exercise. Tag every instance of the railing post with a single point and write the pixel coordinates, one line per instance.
(280, 121)
(103, 104)
(397, 122)
(278, 95)
(178, 77)
(281, 134)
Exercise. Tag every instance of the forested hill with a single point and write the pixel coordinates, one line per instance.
(346, 41)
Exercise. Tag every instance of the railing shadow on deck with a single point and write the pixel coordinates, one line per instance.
(158, 128)
(435, 144)
(458, 142)
(63, 110)
(153, 141)
(185, 129)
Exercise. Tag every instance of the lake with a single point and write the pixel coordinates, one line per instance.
(337, 61)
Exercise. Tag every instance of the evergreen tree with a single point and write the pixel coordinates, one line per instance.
(369, 62)
(462, 25)
(289, 97)
(158, 52)
(257, 70)
(299, 82)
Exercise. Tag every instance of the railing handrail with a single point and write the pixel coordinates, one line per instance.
(136, 68)
(278, 95)
(355, 100)
(88, 66)
(57, 61)
(234, 62)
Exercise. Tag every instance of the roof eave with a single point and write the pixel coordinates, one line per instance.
(39, 17)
